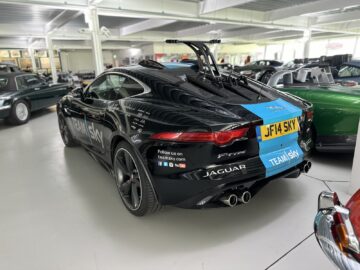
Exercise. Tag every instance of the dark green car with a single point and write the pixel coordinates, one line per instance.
(336, 108)
(22, 93)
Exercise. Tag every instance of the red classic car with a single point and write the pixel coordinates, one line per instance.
(337, 229)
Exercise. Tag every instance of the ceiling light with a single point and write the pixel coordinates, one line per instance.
(94, 2)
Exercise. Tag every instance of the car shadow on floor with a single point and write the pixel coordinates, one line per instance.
(182, 229)
(34, 115)
(342, 159)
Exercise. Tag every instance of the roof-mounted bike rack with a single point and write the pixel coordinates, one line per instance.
(203, 54)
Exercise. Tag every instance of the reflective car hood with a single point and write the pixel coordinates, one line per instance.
(7, 94)
(344, 89)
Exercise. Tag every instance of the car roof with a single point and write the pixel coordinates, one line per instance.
(13, 74)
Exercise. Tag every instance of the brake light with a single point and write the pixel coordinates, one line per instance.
(218, 137)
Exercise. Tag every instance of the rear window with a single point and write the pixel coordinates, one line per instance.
(3, 82)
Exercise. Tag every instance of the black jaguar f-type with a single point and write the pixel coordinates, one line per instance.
(188, 136)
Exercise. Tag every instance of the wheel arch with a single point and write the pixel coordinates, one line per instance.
(26, 99)
(116, 139)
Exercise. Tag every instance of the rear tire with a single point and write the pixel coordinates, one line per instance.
(20, 113)
(65, 132)
(132, 182)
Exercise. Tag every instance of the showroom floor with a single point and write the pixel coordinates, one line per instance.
(60, 210)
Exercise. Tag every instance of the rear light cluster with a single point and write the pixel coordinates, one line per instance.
(309, 115)
(218, 137)
(339, 232)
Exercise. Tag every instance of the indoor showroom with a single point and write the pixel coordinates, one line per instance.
(179, 134)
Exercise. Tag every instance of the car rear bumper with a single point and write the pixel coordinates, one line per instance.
(206, 193)
(5, 111)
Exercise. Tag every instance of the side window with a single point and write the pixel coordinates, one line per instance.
(114, 87)
(21, 83)
(131, 88)
(32, 81)
(98, 88)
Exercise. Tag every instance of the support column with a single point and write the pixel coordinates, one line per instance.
(50, 49)
(355, 174)
(307, 40)
(355, 46)
(92, 19)
(32, 57)
(265, 51)
(282, 52)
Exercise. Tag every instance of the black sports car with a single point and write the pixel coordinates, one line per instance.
(21, 93)
(174, 136)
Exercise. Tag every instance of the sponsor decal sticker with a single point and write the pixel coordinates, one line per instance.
(171, 164)
(89, 130)
(278, 136)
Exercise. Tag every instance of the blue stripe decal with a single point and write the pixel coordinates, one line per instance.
(274, 111)
(282, 153)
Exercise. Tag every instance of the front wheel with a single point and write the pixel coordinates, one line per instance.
(132, 182)
(20, 113)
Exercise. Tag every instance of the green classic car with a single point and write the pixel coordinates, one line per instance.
(336, 107)
(23, 93)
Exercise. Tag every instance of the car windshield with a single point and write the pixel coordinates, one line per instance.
(3, 83)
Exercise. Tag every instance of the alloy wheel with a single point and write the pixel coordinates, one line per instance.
(21, 111)
(128, 179)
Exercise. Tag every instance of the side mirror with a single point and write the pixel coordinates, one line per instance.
(78, 93)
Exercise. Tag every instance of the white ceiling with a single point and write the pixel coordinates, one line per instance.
(26, 22)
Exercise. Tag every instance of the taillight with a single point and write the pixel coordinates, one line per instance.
(218, 137)
(339, 232)
(309, 115)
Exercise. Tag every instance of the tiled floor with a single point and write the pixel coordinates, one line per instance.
(60, 210)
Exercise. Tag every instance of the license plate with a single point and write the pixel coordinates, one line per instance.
(279, 129)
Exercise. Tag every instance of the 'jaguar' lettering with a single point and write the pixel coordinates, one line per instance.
(241, 168)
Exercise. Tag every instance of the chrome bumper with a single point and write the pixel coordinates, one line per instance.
(328, 205)
(5, 107)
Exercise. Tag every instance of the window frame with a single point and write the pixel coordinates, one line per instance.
(16, 82)
(146, 89)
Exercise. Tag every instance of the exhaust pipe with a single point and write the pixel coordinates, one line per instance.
(229, 199)
(245, 197)
(306, 166)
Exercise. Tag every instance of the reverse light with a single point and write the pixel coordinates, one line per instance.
(218, 137)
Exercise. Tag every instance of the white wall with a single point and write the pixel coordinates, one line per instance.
(82, 60)
(77, 60)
